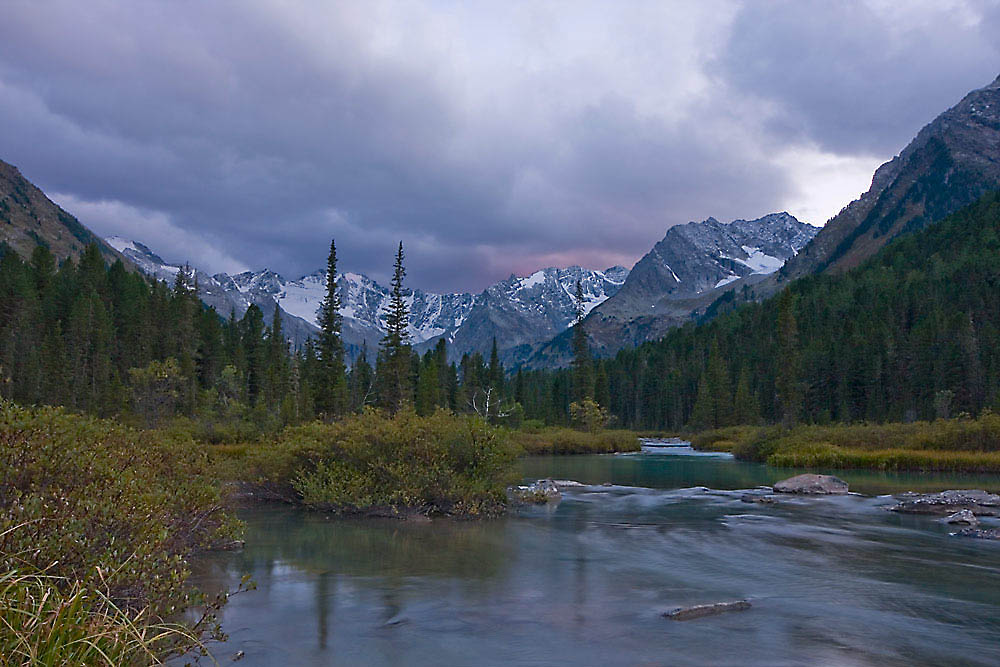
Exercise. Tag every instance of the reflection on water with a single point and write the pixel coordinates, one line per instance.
(833, 581)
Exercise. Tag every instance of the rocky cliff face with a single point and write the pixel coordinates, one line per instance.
(524, 312)
(686, 271)
(29, 218)
(952, 162)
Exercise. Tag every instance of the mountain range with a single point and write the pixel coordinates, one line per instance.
(521, 313)
(696, 270)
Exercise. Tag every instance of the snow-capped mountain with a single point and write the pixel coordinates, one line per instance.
(701, 256)
(516, 311)
(220, 291)
(523, 312)
(686, 271)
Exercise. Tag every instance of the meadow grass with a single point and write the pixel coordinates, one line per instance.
(558, 440)
(952, 445)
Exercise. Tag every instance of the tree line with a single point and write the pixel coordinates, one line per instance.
(108, 341)
(913, 333)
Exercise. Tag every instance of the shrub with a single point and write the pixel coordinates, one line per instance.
(439, 464)
(85, 500)
(587, 415)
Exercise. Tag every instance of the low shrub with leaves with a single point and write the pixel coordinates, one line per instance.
(377, 463)
(557, 440)
(93, 506)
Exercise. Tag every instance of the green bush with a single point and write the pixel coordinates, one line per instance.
(373, 462)
(86, 500)
(556, 440)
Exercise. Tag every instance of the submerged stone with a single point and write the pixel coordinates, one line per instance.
(810, 484)
(978, 502)
(979, 533)
(702, 610)
(542, 491)
(756, 498)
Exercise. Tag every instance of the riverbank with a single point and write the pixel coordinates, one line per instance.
(97, 522)
(562, 441)
(945, 445)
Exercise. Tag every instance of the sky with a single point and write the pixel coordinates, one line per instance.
(490, 137)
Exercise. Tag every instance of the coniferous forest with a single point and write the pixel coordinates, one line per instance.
(913, 333)
(910, 334)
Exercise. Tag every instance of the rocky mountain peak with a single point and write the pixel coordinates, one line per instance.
(952, 162)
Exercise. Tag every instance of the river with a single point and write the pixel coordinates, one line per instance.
(832, 580)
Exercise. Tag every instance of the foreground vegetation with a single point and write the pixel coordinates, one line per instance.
(952, 445)
(96, 523)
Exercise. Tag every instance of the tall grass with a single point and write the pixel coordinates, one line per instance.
(556, 440)
(47, 621)
(952, 445)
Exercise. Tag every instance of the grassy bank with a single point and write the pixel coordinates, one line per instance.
(556, 440)
(96, 521)
(947, 445)
(376, 464)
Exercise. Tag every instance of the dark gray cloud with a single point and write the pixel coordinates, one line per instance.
(855, 77)
(490, 138)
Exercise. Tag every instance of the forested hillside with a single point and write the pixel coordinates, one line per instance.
(108, 341)
(914, 332)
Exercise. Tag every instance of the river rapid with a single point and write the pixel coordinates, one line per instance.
(585, 581)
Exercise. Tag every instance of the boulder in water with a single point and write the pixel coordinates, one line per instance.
(812, 485)
(702, 610)
(975, 501)
(757, 498)
(963, 516)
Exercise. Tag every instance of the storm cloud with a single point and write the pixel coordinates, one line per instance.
(492, 138)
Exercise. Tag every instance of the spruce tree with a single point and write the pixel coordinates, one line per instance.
(746, 410)
(362, 381)
(330, 388)
(277, 374)
(719, 386)
(395, 387)
(787, 377)
(495, 370)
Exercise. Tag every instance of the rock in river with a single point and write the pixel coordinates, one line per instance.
(542, 491)
(700, 610)
(978, 502)
(812, 485)
(980, 533)
(962, 516)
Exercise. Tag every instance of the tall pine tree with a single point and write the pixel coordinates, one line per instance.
(393, 368)
(330, 382)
